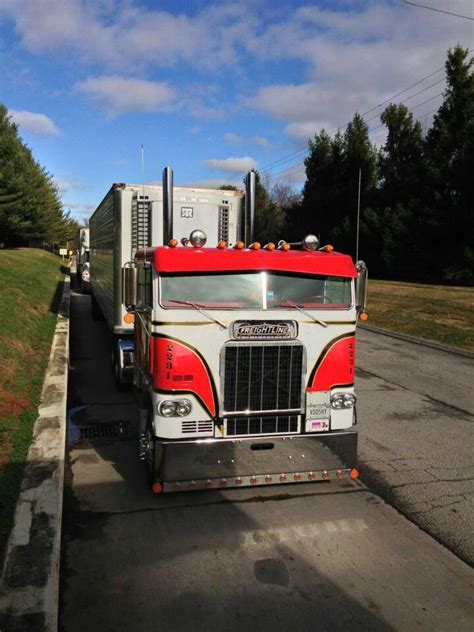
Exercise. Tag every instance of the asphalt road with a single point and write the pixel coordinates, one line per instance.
(326, 556)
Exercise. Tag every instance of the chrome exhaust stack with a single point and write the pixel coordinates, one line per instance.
(167, 205)
(250, 194)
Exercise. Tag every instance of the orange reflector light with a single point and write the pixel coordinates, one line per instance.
(255, 246)
(173, 243)
(325, 475)
(209, 484)
(177, 487)
(239, 245)
(129, 319)
(297, 477)
(268, 479)
(354, 473)
(327, 248)
(238, 481)
(311, 476)
(339, 474)
(223, 483)
(283, 478)
(222, 245)
(157, 488)
(284, 247)
(363, 316)
(253, 480)
(193, 485)
(269, 246)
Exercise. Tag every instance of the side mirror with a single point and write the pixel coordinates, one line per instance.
(129, 286)
(361, 286)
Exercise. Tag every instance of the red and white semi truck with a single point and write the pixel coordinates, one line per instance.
(243, 357)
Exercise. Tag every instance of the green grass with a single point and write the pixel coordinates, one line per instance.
(30, 291)
(434, 312)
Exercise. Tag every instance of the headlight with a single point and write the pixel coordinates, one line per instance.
(167, 408)
(183, 407)
(174, 408)
(343, 400)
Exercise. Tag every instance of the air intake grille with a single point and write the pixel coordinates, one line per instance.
(261, 378)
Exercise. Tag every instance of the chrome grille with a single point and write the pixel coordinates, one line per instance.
(261, 425)
(262, 378)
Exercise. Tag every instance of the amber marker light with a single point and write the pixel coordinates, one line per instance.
(269, 246)
(283, 478)
(297, 477)
(363, 316)
(239, 245)
(354, 474)
(327, 248)
(253, 480)
(222, 245)
(339, 474)
(284, 247)
(325, 475)
(129, 319)
(223, 483)
(209, 484)
(255, 246)
(268, 479)
(173, 243)
(157, 488)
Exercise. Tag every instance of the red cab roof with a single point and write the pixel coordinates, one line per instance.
(188, 259)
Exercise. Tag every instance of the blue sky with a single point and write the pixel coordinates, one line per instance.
(210, 88)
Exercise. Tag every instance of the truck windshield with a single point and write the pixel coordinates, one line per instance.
(254, 290)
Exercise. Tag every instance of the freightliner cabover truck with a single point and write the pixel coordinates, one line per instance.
(132, 217)
(243, 358)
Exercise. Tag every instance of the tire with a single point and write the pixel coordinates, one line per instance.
(96, 312)
(119, 383)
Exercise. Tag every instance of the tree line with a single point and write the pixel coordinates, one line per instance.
(31, 212)
(416, 192)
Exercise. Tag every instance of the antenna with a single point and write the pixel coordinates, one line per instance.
(142, 151)
(358, 217)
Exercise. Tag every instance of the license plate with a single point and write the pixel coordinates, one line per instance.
(317, 405)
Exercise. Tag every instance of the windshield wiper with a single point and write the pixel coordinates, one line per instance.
(201, 310)
(303, 311)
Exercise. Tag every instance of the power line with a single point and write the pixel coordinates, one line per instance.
(300, 164)
(293, 154)
(424, 6)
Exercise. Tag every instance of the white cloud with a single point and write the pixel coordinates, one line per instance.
(232, 165)
(33, 122)
(262, 142)
(233, 139)
(117, 95)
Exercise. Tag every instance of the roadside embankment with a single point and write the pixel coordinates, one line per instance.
(31, 286)
(436, 313)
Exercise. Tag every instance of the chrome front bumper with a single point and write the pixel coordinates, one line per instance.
(214, 463)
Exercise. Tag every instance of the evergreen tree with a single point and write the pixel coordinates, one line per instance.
(391, 229)
(450, 153)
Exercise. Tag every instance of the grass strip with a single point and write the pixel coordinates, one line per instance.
(433, 312)
(31, 284)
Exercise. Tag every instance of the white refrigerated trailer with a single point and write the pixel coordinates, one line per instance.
(132, 217)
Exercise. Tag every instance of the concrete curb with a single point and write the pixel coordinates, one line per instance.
(30, 579)
(417, 341)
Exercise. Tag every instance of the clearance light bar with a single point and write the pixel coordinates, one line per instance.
(253, 480)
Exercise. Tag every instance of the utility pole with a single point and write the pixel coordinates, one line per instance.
(358, 217)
